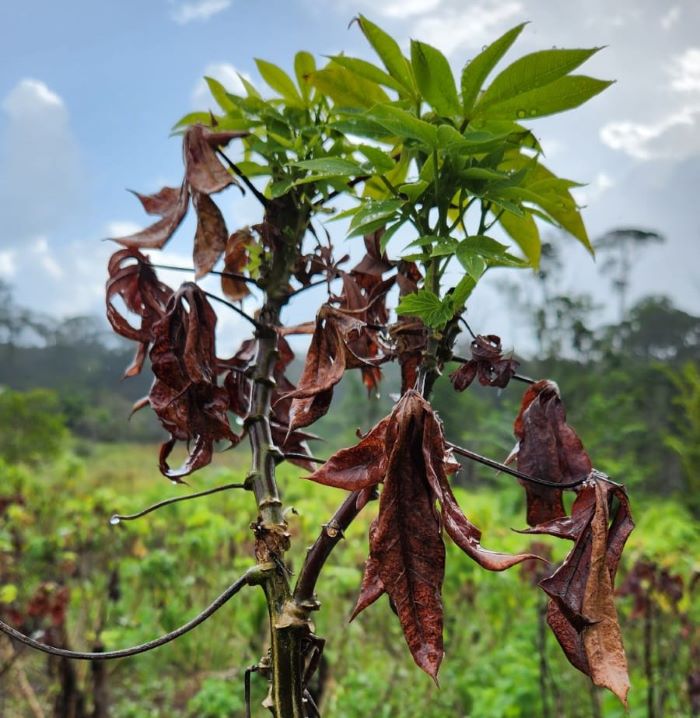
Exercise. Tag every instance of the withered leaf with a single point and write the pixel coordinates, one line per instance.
(407, 451)
(203, 171)
(548, 448)
(235, 260)
(330, 354)
(185, 394)
(171, 205)
(210, 238)
(133, 280)
(487, 363)
(582, 611)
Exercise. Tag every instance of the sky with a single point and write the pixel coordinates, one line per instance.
(89, 91)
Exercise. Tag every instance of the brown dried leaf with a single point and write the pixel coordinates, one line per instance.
(235, 260)
(135, 282)
(487, 363)
(582, 610)
(203, 171)
(170, 204)
(210, 238)
(185, 394)
(548, 448)
(372, 587)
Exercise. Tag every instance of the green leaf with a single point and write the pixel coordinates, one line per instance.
(347, 89)
(403, 124)
(389, 52)
(388, 234)
(277, 189)
(279, 81)
(434, 78)
(368, 71)
(193, 118)
(304, 65)
(462, 292)
(332, 167)
(379, 159)
(413, 190)
(525, 233)
(558, 96)
(373, 215)
(249, 87)
(361, 126)
(476, 72)
(428, 307)
(218, 92)
(474, 264)
(531, 71)
(253, 169)
(483, 173)
(480, 245)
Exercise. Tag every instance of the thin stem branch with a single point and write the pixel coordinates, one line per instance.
(239, 173)
(238, 311)
(338, 192)
(166, 502)
(231, 275)
(305, 457)
(251, 577)
(513, 472)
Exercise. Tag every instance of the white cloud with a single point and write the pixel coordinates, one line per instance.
(685, 71)
(41, 250)
(407, 8)
(675, 136)
(8, 264)
(471, 26)
(226, 74)
(42, 181)
(593, 191)
(198, 10)
(121, 228)
(669, 19)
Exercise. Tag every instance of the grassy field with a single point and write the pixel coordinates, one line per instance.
(133, 581)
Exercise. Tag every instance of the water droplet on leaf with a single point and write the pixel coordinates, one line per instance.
(521, 113)
(114, 520)
(533, 113)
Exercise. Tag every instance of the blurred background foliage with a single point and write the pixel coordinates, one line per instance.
(69, 460)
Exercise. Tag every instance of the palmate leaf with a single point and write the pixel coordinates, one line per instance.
(346, 88)
(389, 52)
(428, 306)
(280, 82)
(369, 72)
(476, 71)
(532, 71)
(403, 124)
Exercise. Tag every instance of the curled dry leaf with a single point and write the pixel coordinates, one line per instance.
(204, 175)
(547, 448)
(211, 235)
(185, 394)
(487, 363)
(407, 452)
(581, 610)
(330, 354)
(171, 205)
(132, 279)
(235, 260)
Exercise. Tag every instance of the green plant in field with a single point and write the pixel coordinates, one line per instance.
(430, 166)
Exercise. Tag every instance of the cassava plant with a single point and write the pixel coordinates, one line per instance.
(426, 172)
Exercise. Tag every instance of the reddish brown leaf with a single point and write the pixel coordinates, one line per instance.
(330, 354)
(372, 587)
(203, 171)
(487, 363)
(133, 280)
(548, 448)
(170, 204)
(185, 394)
(582, 611)
(210, 238)
(235, 260)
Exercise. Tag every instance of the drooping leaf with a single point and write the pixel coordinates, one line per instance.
(581, 611)
(171, 205)
(548, 448)
(185, 394)
(133, 280)
(211, 235)
(235, 259)
(203, 171)
(487, 363)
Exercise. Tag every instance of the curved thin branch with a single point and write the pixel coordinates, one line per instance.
(166, 502)
(250, 577)
(245, 316)
(232, 275)
(239, 173)
(304, 457)
(513, 472)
